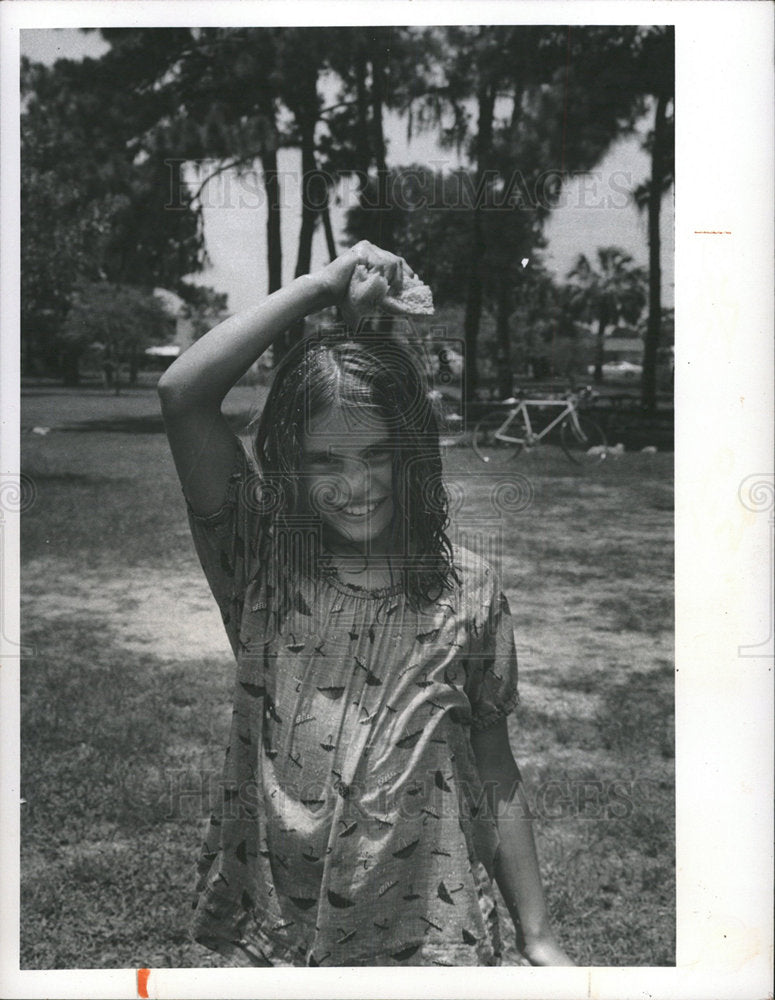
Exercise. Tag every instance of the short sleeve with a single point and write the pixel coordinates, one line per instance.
(226, 542)
(491, 683)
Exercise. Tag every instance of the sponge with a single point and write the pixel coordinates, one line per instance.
(368, 290)
(414, 299)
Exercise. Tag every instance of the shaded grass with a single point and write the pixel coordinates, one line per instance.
(117, 777)
(101, 409)
(125, 506)
(124, 509)
(122, 750)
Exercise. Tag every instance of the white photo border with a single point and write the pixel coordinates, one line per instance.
(724, 440)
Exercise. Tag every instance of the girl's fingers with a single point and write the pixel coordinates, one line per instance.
(391, 271)
(363, 296)
(362, 247)
(392, 267)
(361, 252)
(386, 305)
(373, 289)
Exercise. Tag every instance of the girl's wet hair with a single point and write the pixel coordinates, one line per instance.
(376, 373)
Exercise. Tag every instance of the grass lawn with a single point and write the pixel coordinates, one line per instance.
(126, 702)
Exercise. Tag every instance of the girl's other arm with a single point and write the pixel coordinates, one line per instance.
(516, 863)
(193, 388)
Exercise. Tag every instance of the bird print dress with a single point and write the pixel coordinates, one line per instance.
(352, 827)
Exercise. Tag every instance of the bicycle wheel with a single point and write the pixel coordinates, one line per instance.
(492, 449)
(584, 443)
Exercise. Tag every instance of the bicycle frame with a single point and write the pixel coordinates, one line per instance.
(568, 408)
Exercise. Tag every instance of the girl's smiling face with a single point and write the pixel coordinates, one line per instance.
(347, 467)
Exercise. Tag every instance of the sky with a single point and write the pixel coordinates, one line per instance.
(595, 209)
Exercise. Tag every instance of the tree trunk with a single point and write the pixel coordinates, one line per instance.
(503, 263)
(310, 204)
(274, 254)
(473, 308)
(600, 347)
(328, 230)
(654, 325)
(505, 375)
(313, 186)
(71, 376)
(385, 236)
(474, 294)
(362, 151)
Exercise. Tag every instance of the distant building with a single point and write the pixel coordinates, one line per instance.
(618, 348)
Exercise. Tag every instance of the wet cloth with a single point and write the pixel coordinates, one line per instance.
(352, 828)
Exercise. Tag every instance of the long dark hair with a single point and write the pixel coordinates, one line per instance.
(379, 372)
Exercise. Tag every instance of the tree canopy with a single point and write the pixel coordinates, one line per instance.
(106, 144)
(94, 197)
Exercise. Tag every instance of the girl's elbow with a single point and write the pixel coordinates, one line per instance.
(170, 390)
(181, 394)
(162, 386)
(165, 387)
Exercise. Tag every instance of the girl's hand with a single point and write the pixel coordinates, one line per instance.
(546, 951)
(358, 280)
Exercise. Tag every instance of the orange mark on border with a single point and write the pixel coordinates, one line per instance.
(142, 983)
(712, 232)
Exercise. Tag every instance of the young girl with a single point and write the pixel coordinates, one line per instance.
(369, 794)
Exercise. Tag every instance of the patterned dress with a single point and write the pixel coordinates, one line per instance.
(352, 829)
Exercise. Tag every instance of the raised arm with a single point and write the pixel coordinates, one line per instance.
(193, 388)
(516, 864)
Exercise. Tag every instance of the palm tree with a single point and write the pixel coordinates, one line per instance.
(616, 291)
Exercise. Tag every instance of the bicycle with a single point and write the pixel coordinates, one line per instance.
(499, 437)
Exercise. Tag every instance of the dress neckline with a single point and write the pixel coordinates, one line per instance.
(361, 593)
